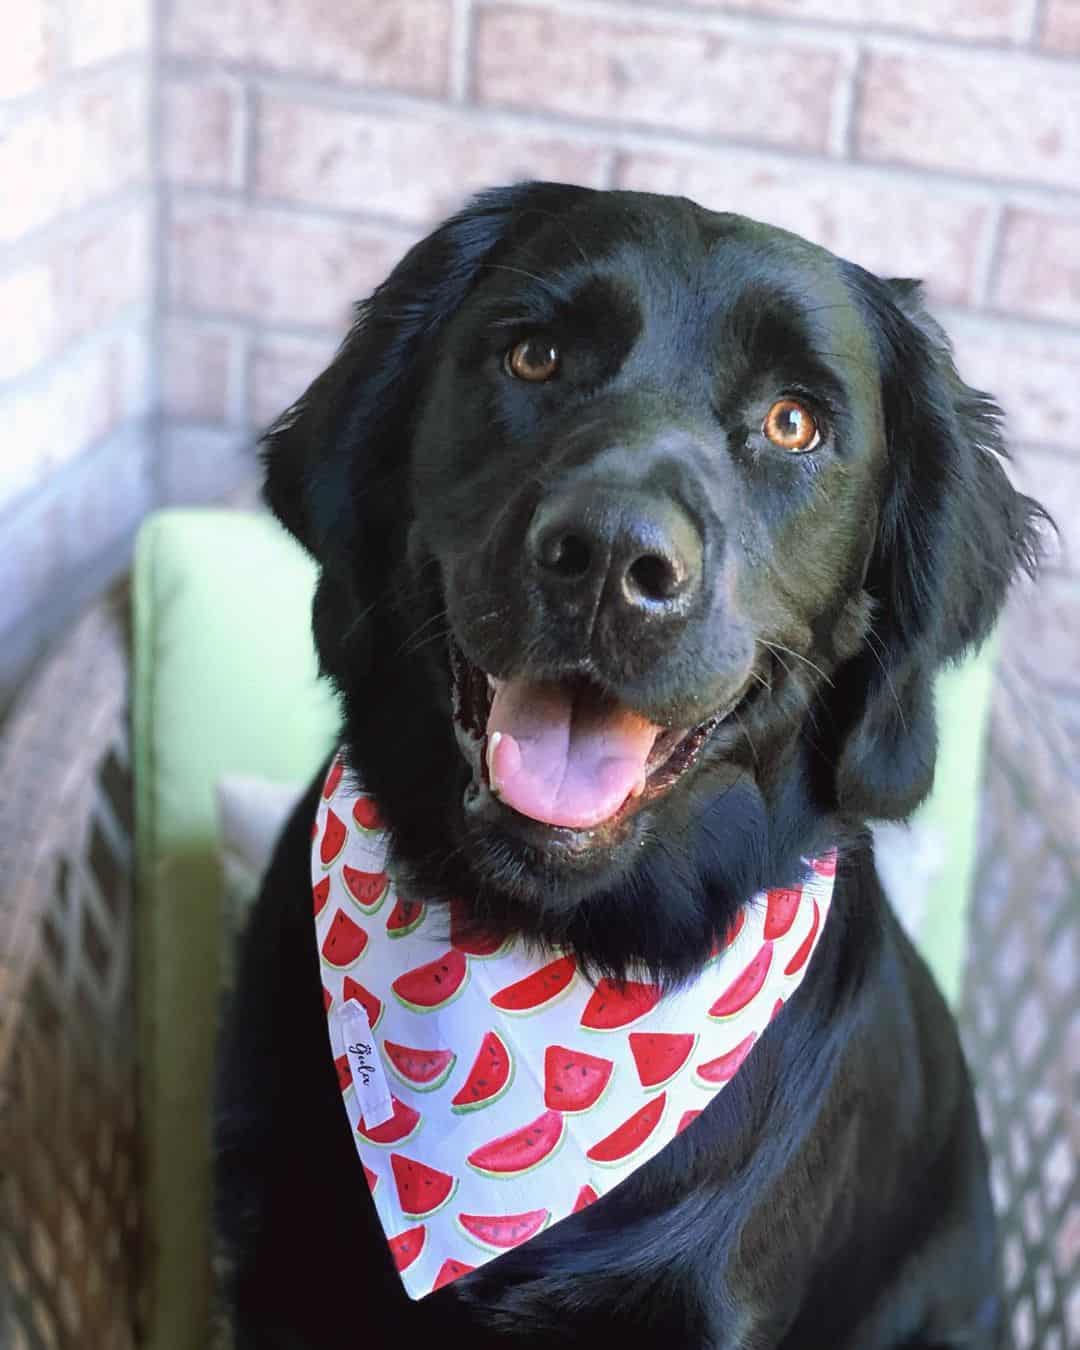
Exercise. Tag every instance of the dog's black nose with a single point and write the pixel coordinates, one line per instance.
(616, 547)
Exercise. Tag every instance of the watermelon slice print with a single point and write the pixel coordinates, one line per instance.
(366, 814)
(371, 1005)
(585, 1197)
(612, 1007)
(745, 987)
(521, 1151)
(539, 990)
(333, 840)
(405, 918)
(687, 1118)
(320, 894)
(498, 1232)
(781, 907)
(806, 947)
(402, 1125)
(480, 945)
(434, 984)
(422, 1190)
(421, 1070)
(368, 889)
(491, 1074)
(344, 1073)
(450, 1271)
(573, 1080)
(825, 867)
(660, 1055)
(333, 778)
(724, 1067)
(407, 1246)
(372, 1178)
(633, 1134)
(344, 943)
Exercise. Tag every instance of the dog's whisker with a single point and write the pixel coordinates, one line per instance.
(359, 621)
(779, 658)
(416, 646)
(777, 647)
(749, 739)
(413, 641)
(871, 638)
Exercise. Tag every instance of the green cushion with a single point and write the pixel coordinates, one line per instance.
(225, 681)
(951, 813)
(226, 684)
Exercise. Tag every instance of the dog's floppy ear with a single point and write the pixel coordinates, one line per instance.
(952, 535)
(357, 413)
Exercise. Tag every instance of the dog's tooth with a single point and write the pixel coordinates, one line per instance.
(493, 741)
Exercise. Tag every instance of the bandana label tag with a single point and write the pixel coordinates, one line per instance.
(362, 1052)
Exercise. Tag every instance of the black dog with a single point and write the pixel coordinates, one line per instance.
(637, 460)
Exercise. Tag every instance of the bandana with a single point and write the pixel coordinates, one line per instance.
(492, 1092)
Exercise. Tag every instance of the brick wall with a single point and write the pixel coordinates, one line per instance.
(299, 146)
(76, 217)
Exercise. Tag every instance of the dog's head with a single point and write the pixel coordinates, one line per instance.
(643, 531)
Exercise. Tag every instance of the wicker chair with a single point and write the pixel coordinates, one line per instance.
(69, 1196)
(69, 1193)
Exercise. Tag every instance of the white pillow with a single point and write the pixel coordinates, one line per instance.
(251, 814)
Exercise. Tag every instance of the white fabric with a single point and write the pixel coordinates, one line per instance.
(455, 1187)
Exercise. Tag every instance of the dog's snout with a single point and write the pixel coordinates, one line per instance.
(622, 549)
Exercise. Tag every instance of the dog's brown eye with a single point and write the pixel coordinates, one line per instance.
(789, 425)
(535, 359)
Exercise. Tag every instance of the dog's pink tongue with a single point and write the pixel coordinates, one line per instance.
(564, 760)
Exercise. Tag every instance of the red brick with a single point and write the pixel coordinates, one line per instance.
(404, 45)
(78, 281)
(711, 81)
(1053, 478)
(960, 112)
(1061, 25)
(105, 495)
(987, 20)
(203, 464)
(416, 166)
(28, 303)
(31, 52)
(201, 131)
(893, 228)
(87, 144)
(104, 269)
(281, 369)
(1033, 373)
(1039, 270)
(1041, 635)
(52, 419)
(199, 366)
(33, 562)
(275, 266)
(99, 32)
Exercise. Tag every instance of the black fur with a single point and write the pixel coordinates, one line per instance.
(834, 1195)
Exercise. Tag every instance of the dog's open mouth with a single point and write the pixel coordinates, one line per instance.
(564, 753)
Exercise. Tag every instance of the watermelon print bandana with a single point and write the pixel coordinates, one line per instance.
(491, 1092)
